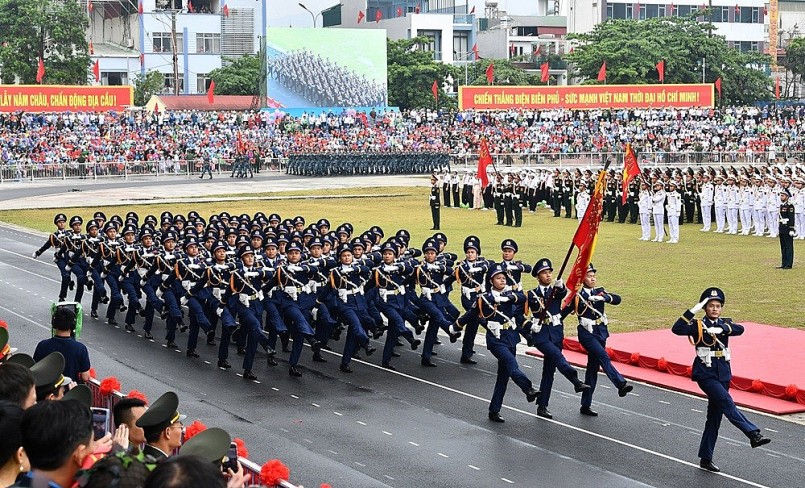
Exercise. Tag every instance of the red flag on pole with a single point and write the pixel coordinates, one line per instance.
(96, 70)
(484, 160)
(630, 170)
(416, 9)
(190, 6)
(142, 59)
(545, 75)
(360, 16)
(226, 10)
(538, 51)
(475, 51)
(399, 11)
(585, 238)
(661, 70)
(777, 87)
(40, 71)
(718, 86)
(490, 73)
(91, 48)
(211, 92)
(435, 89)
(472, 10)
(378, 15)
(602, 73)
(140, 8)
(90, 7)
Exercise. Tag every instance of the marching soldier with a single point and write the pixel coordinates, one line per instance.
(434, 302)
(711, 370)
(56, 241)
(434, 202)
(470, 274)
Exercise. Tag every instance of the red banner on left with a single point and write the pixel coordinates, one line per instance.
(64, 98)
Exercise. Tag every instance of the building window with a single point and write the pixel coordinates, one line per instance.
(683, 10)
(432, 42)
(525, 31)
(651, 11)
(461, 45)
(114, 78)
(163, 43)
(720, 14)
(749, 15)
(661, 11)
(168, 86)
(237, 32)
(629, 11)
(202, 83)
(208, 43)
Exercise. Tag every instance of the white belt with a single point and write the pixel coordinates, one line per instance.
(217, 293)
(589, 323)
(429, 292)
(552, 320)
(467, 291)
(706, 354)
(142, 272)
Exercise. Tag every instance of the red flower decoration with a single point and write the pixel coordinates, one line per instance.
(635, 357)
(273, 472)
(92, 373)
(662, 364)
(109, 385)
(3, 324)
(689, 371)
(791, 391)
(325, 485)
(193, 429)
(757, 386)
(242, 451)
(137, 394)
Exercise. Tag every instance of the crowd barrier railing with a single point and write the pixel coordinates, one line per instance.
(108, 401)
(126, 169)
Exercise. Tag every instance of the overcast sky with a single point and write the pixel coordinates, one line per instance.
(284, 13)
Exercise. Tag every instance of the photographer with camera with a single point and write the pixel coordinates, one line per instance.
(76, 356)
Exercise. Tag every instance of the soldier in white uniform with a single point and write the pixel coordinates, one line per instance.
(720, 202)
(799, 207)
(582, 200)
(644, 206)
(746, 201)
(658, 209)
(673, 208)
(773, 206)
(732, 206)
(706, 194)
(761, 195)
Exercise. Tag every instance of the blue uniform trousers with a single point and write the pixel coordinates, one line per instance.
(471, 328)
(297, 318)
(250, 327)
(719, 402)
(505, 350)
(130, 286)
(596, 356)
(115, 298)
(396, 329)
(79, 269)
(357, 321)
(436, 321)
(553, 359)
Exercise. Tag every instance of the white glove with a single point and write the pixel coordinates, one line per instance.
(68, 268)
(454, 328)
(791, 233)
(194, 266)
(390, 267)
(244, 299)
(295, 268)
(219, 311)
(474, 269)
(130, 249)
(512, 267)
(501, 299)
(186, 285)
(715, 330)
(347, 269)
(596, 298)
(221, 267)
(142, 282)
(183, 301)
(158, 292)
(536, 327)
(698, 307)
(432, 266)
(251, 274)
(559, 284)
(34, 255)
(103, 276)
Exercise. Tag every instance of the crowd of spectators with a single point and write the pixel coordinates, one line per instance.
(744, 134)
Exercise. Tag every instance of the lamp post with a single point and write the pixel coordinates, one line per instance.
(312, 15)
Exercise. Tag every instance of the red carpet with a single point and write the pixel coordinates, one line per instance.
(767, 364)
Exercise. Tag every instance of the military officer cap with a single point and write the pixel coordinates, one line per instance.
(81, 393)
(218, 245)
(439, 237)
(323, 223)
(161, 414)
(59, 218)
(299, 220)
(295, 236)
(287, 223)
(342, 230)
(168, 236)
(257, 235)
(190, 241)
(179, 218)
(377, 230)
(211, 444)
(99, 215)
(132, 216)
(166, 214)
(274, 218)
(167, 221)
(92, 224)
(786, 192)
(129, 229)
(316, 241)
(22, 359)
(294, 246)
(48, 372)
(146, 232)
(150, 219)
(345, 247)
(211, 234)
(231, 231)
(430, 245)
(224, 215)
(327, 240)
(495, 270)
(404, 234)
(109, 226)
(244, 217)
(349, 227)
(191, 232)
(309, 233)
(472, 242)
(712, 293)
(357, 242)
(673, 183)
(282, 237)
(193, 215)
(131, 222)
(243, 230)
(509, 244)
(591, 268)
(390, 246)
(116, 219)
(242, 241)
(76, 219)
(541, 266)
(247, 249)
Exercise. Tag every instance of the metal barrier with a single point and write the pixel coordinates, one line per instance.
(108, 401)
(126, 169)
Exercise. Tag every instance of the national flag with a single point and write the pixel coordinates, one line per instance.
(378, 15)
(140, 8)
(435, 89)
(475, 51)
(673, 9)
(538, 51)
(630, 170)
(661, 70)
(484, 160)
(96, 70)
(545, 75)
(718, 86)
(211, 92)
(90, 7)
(142, 59)
(399, 11)
(584, 240)
(226, 10)
(190, 6)
(91, 48)
(737, 9)
(765, 10)
(602, 73)
(490, 73)
(40, 71)
(572, 50)
(472, 10)
(416, 9)
(777, 87)
(360, 16)
(512, 50)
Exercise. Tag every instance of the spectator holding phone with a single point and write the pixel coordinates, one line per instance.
(76, 356)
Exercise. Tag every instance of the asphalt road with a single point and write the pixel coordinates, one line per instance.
(415, 426)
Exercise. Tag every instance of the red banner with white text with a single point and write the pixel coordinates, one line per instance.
(64, 98)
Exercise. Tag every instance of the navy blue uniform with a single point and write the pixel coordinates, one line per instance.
(390, 286)
(470, 276)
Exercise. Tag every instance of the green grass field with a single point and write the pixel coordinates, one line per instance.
(657, 281)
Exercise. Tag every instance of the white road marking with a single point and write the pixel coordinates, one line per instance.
(772, 455)
(695, 410)
(275, 389)
(443, 455)
(387, 433)
(316, 405)
(359, 464)
(332, 452)
(295, 397)
(507, 480)
(308, 441)
(389, 477)
(473, 467)
(413, 444)
(664, 402)
(527, 366)
(339, 414)
(771, 430)
(24, 318)
(360, 423)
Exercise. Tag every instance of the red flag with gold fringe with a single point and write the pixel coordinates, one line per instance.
(630, 170)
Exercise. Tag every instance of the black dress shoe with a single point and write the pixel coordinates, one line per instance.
(191, 353)
(147, 335)
(437, 342)
(398, 343)
(588, 412)
(532, 395)
(344, 368)
(241, 351)
(455, 337)
(224, 364)
(318, 358)
(182, 327)
(389, 366)
(294, 372)
(272, 361)
(427, 362)
(758, 440)
(495, 417)
(543, 412)
(395, 354)
(468, 360)
(624, 390)
(248, 375)
(370, 350)
(171, 345)
(580, 387)
(415, 344)
(709, 466)
(434, 353)
(211, 338)
(105, 299)
(94, 314)
(112, 322)
(129, 328)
